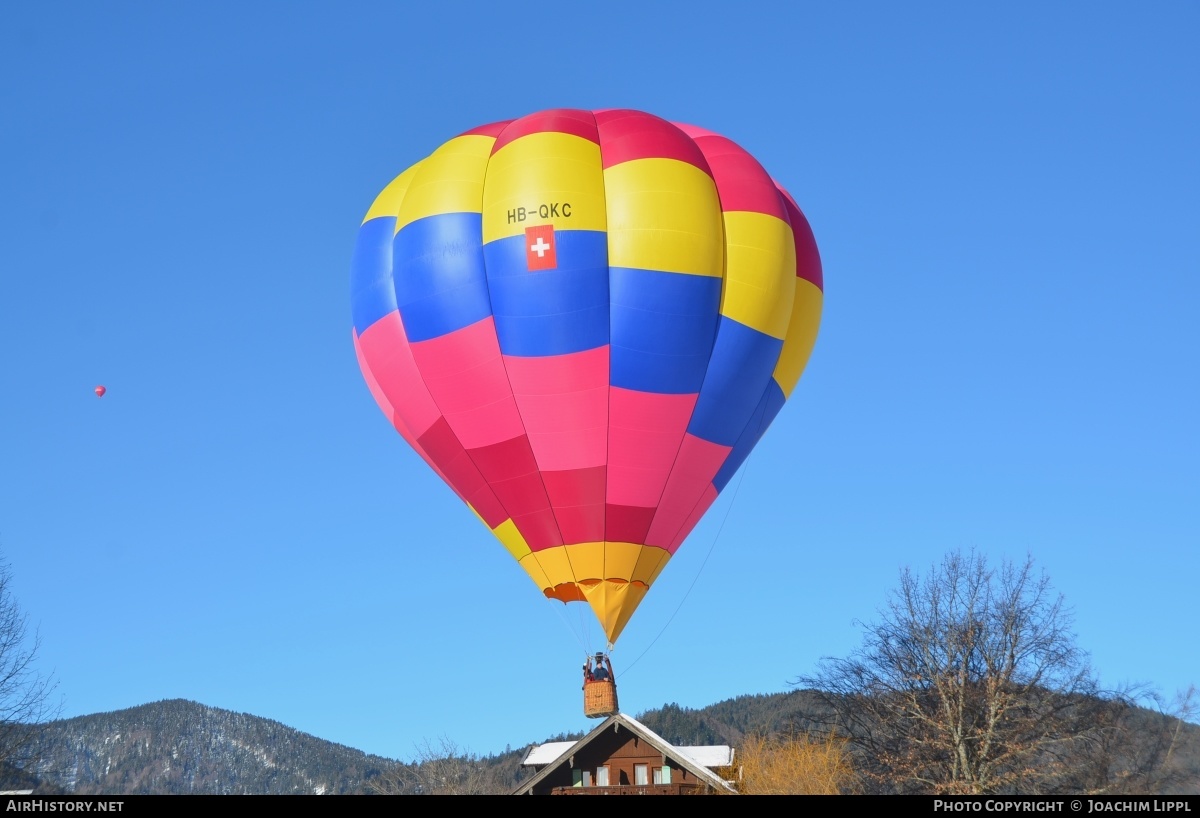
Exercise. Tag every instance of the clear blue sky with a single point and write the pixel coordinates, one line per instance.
(1007, 204)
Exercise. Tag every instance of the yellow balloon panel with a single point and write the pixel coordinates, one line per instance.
(614, 603)
(663, 214)
(760, 272)
(801, 335)
(511, 538)
(450, 180)
(543, 178)
(387, 203)
(612, 577)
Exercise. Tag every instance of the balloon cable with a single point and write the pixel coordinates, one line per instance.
(580, 633)
(699, 571)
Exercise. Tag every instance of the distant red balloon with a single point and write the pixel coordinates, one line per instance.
(100, 390)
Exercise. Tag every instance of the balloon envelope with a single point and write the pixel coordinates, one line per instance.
(100, 390)
(583, 322)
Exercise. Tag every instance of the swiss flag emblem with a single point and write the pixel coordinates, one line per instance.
(539, 247)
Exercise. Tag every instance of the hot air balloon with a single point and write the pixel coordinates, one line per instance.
(583, 322)
(100, 390)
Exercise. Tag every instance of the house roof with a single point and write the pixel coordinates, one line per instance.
(718, 755)
(546, 753)
(695, 760)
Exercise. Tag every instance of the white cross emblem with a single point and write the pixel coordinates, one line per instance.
(540, 247)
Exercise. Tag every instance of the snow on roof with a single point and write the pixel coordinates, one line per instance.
(718, 755)
(546, 753)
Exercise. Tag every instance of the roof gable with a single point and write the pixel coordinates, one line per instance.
(696, 760)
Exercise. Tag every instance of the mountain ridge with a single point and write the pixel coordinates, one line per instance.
(177, 746)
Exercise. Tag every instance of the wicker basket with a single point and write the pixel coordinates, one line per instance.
(599, 699)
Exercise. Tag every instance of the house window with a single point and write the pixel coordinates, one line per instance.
(587, 778)
(602, 776)
(641, 774)
(576, 778)
(662, 775)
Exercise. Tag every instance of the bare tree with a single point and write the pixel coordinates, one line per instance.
(442, 768)
(1142, 743)
(24, 692)
(971, 681)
